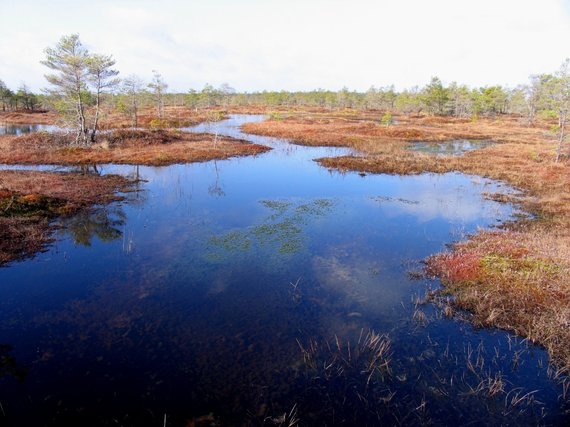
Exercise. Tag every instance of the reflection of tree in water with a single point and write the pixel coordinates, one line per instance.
(216, 189)
(9, 366)
(138, 194)
(102, 222)
(92, 169)
(134, 176)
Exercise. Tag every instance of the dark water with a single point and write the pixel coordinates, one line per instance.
(451, 148)
(234, 292)
(11, 129)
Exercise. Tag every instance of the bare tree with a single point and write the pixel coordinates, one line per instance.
(28, 99)
(208, 96)
(69, 62)
(158, 86)
(102, 78)
(371, 98)
(226, 93)
(534, 92)
(132, 87)
(460, 99)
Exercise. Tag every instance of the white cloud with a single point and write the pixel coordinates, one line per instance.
(271, 44)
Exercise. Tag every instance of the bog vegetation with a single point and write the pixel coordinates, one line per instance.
(82, 83)
(515, 279)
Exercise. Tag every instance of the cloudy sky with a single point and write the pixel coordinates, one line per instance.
(295, 44)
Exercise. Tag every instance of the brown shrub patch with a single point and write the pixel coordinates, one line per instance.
(40, 117)
(144, 147)
(173, 116)
(29, 200)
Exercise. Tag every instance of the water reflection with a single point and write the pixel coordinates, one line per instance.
(451, 148)
(215, 189)
(242, 290)
(103, 222)
(22, 129)
(92, 169)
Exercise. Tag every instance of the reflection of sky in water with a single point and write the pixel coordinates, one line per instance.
(191, 303)
(453, 148)
(10, 129)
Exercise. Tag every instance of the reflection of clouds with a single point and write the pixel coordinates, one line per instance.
(450, 197)
(358, 280)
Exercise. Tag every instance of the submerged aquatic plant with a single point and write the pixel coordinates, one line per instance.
(283, 229)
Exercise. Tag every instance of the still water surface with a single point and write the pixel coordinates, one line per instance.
(15, 129)
(189, 304)
(451, 148)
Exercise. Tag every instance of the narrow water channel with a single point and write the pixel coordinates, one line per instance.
(234, 292)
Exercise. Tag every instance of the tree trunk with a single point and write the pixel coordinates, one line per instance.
(134, 112)
(96, 119)
(82, 124)
(81, 116)
(561, 135)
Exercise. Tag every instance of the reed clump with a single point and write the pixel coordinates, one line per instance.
(348, 378)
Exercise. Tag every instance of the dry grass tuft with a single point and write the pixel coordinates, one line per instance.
(350, 378)
(515, 280)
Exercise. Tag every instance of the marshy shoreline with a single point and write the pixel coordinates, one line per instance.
(475, 274)
(527, 292)
(31, 200)
(516, 278)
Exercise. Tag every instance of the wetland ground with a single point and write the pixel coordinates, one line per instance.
(269, 290)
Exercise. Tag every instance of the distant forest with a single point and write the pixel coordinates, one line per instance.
(540, 97)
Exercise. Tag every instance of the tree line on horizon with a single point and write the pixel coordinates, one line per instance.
(531, 100)
(82, 82)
